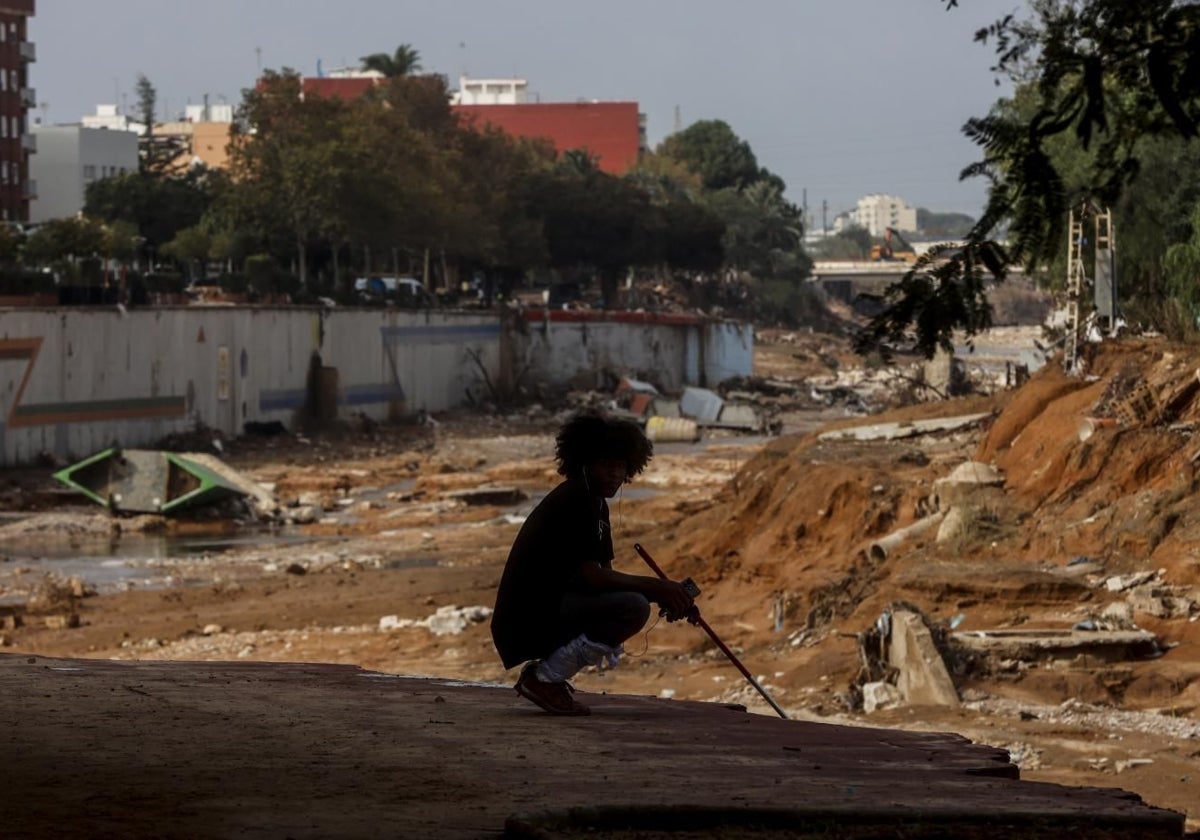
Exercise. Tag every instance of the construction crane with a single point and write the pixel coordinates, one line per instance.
(887, 253)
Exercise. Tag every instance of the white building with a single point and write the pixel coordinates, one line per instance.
(69, 158)
(205, 113)
(878, 212)
(490, 92)
(110, 117)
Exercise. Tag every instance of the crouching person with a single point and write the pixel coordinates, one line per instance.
(561, 606)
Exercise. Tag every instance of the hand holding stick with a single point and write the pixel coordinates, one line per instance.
(693, 617)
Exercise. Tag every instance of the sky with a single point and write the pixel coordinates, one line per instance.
(840, 98)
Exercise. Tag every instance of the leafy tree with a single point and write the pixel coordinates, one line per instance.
(496, 175)
(157, 205)
(1182, 266)
(287, 178)
(70, 239)
(11, 241)
(853, 243)
(691, 236)
(710, 149)
(403, 62)
(595, 222)
(121, 241)
(1108, 74)
(190, 248)
(664, 178)
(944, 225)
(763, 231)
(578, 162)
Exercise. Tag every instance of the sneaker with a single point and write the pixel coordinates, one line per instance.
(555, 698)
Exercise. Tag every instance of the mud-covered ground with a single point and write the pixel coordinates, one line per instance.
(396, 572)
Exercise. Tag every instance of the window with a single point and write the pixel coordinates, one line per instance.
(89, 173)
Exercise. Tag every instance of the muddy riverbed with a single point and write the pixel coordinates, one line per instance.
(398, 572)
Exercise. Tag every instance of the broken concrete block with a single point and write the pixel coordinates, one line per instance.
(62, 621)
(880, 695)
(1119, 583)
(741, 416)
(304, 514)
(311, 498)
(923, 678)
(1120, 612)
(635, 385)
(953, 525)
(661, 407)
(701, 404)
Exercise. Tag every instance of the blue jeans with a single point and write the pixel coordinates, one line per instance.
(606, 617)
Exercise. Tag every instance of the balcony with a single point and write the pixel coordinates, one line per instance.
(29, 189)
(29, 97)
(29, 143)
(28, 51)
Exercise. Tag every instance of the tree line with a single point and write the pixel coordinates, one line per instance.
(320, 190)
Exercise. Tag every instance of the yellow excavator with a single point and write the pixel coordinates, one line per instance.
(887, 253)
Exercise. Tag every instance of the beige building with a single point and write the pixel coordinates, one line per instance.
(204, 133)
(878, 212)
(204, 143)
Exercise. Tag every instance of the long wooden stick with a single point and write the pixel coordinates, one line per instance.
(694, 618)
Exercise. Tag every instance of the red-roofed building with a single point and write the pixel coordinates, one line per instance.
(613, 132)
(610, 131)
(340, 87)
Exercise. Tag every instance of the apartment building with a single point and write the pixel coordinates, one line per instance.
(877, 213)
(16, 98)
(69, 158)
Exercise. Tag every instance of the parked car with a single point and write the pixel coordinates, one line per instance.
(405, 292)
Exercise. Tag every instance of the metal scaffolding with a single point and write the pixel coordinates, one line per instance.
(1104, 312)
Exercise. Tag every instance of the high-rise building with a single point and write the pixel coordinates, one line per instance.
(16, 98)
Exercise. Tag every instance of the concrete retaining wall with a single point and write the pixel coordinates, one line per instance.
(74, 380)
(672, 350)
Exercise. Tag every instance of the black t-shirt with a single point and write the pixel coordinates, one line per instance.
(569, 528)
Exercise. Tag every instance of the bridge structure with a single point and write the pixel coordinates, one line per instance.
(845, 280)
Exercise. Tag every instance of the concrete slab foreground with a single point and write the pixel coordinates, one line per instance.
(96, 748)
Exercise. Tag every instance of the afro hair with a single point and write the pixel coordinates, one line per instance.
(592, 436)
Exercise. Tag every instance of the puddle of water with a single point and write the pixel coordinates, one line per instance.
(145, 560)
